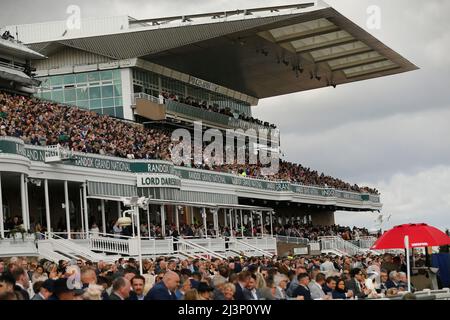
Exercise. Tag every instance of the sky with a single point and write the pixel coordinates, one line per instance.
(391, 133)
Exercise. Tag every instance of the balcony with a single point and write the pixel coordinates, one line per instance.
(143, 101)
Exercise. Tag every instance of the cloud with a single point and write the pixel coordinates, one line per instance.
(423, 197)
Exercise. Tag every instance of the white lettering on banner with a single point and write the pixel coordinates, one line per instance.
(158, 168)
(158, 181)
(203, 84)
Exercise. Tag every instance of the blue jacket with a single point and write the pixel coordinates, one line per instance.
(160, 292)
(302, 291)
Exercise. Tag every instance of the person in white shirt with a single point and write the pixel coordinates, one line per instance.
(95, 230)
(327, 266)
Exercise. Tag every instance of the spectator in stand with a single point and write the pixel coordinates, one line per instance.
(316, 287)
(341, 292)
(42, 123)
(302, 290)
(165, 289)
(121, 288)
(137, 286)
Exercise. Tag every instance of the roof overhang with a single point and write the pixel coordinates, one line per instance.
(262, 57)
(18, 50)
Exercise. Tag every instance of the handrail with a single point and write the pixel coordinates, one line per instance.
(69, 245)
(204, 249)
(252, 247)
(337, 243)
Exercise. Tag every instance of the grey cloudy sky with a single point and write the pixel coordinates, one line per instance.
(391, 133)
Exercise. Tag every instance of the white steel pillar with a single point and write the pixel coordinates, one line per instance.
(177, 219)
(2, 222)
(23, 200)
(102, 204)
(66, 204)
(251, 220)
(47, 206)
(85, 205)
(163, 221)
(82, 211)
(242, 224)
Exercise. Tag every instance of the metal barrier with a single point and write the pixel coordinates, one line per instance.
(294, 240)
(339, 245)
(119, 246)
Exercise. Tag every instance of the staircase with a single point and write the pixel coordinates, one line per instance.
(340, 247)
(243, 247)
(190, 249)
(56, 248)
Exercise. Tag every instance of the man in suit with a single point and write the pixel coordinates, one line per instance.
(43, 289)
(250, 291)
(165, 289)
(393, 281)
(316, 286)
(137, 284)
(22, 282)
(355, 284)
(243, 280)
(302, 289)
(121, 288)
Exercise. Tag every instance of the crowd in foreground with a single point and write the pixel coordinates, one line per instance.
(43, 123)
(165, 278)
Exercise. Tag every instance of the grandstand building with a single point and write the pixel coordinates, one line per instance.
(126, 68)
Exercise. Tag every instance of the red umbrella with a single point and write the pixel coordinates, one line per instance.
(420, 235)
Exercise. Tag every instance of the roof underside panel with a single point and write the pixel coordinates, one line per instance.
(143, 43)
(261, 57)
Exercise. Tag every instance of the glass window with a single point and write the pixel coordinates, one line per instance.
(116, 74)
(106, 75)
(56, 80)
(117, 90)
(70, 95)
(109, 111)
(82, 94)
(83, 104)
(107, 102)
(118, 102)
(119, 112)
(94, 93)
(93, 76)
(95, 103)
(69, 79)
(107, 92)
(58, 96)
(81, 78)
(47, 95)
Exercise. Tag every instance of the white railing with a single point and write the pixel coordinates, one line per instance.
(112, 245)
(189, 247)
(46, 250)
(253, 246)
(340, 245)
(367, 242)
(153, 247)
(294, 240)
(70, 247)
(142, 95)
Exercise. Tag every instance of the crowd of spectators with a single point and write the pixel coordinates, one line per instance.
(237, 278)
(214, 108)
(310, 232)
(43, 123)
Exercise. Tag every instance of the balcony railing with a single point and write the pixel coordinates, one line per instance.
(195, 113)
